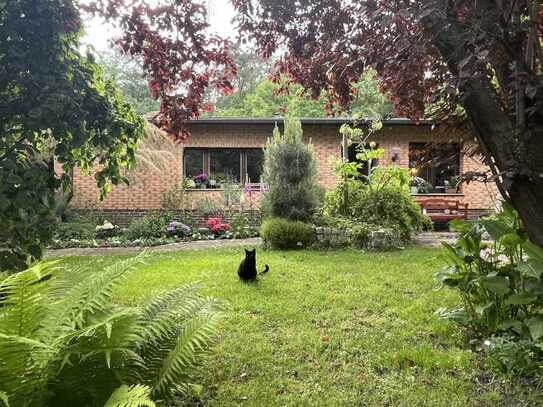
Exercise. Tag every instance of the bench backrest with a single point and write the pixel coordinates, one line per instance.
(438, 206)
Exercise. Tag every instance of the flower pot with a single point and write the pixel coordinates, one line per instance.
(450, 191)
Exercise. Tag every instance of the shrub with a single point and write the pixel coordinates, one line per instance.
(217, 226)
(75, 230)
(64, 343)
(500, 287)
(289, 172)
(381, 200)
(240, 227)
(283, 234)
(178, 229)
(209, 206)
(174, 198)
(150, 226)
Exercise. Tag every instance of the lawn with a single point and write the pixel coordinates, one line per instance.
(338, 328)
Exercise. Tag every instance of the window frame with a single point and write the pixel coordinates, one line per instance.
(206, 157)
(431, 168)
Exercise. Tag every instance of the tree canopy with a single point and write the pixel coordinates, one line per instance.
(128, 75)
(269, 98)
(55, 105)
(484, 56)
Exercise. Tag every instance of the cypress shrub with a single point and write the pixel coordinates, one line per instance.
(289, 172)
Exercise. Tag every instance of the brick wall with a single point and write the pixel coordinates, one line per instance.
(192, 217)
(146, 190)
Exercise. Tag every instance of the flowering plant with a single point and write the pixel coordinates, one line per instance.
(175, 228)
(217, 226)
(201, 178)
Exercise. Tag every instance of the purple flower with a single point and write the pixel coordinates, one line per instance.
(201, 178)
(248, 191)
(176, 227)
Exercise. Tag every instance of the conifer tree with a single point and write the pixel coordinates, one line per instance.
(289, 172)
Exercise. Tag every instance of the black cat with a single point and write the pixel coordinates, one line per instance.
(247, 267)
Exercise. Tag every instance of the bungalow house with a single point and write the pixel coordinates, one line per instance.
(233, 147)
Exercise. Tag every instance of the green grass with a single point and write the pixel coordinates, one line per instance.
(339, 328)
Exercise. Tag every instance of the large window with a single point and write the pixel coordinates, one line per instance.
(438, 164)
(365, 165)
(212, 167)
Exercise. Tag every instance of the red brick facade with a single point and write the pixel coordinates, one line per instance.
(147, 192)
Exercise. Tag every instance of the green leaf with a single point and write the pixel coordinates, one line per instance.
(448, 276)
(511, 240)
(4, 398)
(481, 308)
(452, 254)
(497, 229)
(533, 251)
(535, 325)
(521, 299)
(513, 324)
(531, 267)
(134, 396)
(496, 284)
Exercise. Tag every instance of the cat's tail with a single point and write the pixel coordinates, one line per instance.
(266, 269)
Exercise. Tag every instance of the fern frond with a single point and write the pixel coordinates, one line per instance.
(72, 305)
(192, 344)
(19, 376)
(131, 396)
(21, 309)
(4, 399)
(164, 300)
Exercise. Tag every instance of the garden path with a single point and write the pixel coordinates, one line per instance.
(429, 239)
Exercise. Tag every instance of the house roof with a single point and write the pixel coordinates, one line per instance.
(306, 120)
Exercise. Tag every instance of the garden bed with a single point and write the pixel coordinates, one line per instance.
(154, 229)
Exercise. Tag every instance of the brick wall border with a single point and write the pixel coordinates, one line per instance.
(193, 217)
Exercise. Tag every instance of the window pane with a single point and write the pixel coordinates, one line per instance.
(364, 169)
(255, 161)
(437, 163)
(225, 164)
(194, 162)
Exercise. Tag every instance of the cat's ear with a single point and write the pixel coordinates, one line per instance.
(247, 251)
(254, 251)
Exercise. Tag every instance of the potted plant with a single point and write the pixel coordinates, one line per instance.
(420, 186)
(451, 185)
(201, 180)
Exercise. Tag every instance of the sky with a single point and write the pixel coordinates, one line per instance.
(99, 35)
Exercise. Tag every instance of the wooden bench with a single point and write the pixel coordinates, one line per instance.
(443, 210)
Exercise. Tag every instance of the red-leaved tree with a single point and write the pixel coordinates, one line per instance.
(180, 57)
(478, 60)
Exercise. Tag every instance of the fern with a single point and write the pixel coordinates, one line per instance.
(63, 342)
(4, 399)
(130, 396)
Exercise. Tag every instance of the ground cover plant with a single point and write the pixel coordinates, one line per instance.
(499, 282)
(330, 328)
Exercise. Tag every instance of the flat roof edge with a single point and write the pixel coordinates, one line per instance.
(306, 120)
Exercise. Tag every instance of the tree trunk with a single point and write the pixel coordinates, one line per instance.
(527, 198)
(516, 154)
